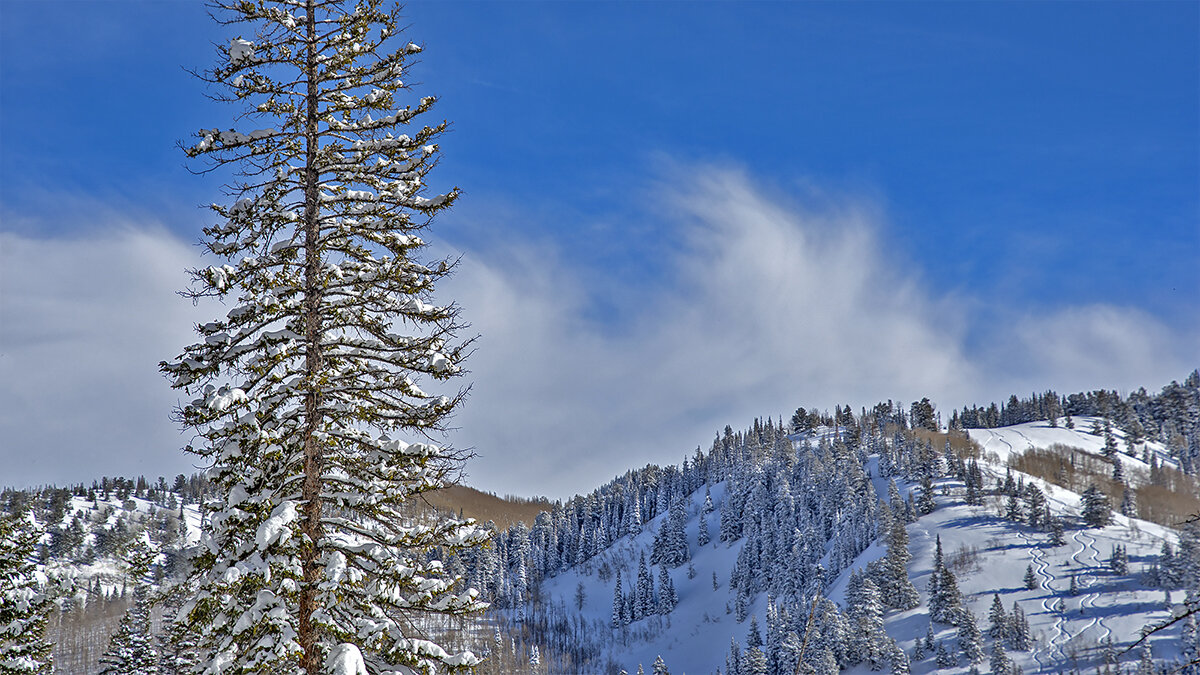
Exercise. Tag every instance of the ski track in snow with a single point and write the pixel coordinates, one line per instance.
(1083, 580)
(1039, 560)
(1090, 600)
(1061, 636)
(1060, 620)
(1029, 443)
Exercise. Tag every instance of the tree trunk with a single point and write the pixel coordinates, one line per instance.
(310, 493)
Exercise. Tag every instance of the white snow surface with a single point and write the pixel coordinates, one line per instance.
(1009, 441)
(345, 659)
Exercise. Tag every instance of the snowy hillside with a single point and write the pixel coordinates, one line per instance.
(1087, 434)
(87, 537)
(1083, 600)
(994, 553)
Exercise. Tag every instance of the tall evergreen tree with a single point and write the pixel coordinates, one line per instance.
(1096, 510)
(943, 658)
(177, 644)
(643, 602)
(667, 599)
(1020, 638)
(970, 640)
(926, 503)
(864, 608)
(897, 590)
(945, 600)
(998, 621)
(25, 602)
(1057, 536)
(132, 650)
(670, 546)
(1001, 664)
(311, 390)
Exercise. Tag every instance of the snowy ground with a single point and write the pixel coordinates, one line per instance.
(1005, 442)
(990, 556)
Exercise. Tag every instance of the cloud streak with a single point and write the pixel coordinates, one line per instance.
(767, 305)
(83, 324)
(763, 305)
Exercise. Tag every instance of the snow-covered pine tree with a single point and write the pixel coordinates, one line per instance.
(970, 640)
(670, 544)
(1057, 536)
(1031, 581)
(753, 634)
(1035, 501)
(1012, 508)
(177, 645)
(1001, 664)
(918, 653)
(1020, 638)
(1119, 561)
(667, 598)
(998, 621)
(925, 503)
(944, 659)
(945, 600)
(25, 603)
(132, 649)
(895, 587)
(754, 662)
(897, 659)
(864, 609)
(643, 603)
(314, 551)
(733, 658)
(1096, 511)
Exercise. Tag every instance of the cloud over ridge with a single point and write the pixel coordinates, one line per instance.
(765, 304)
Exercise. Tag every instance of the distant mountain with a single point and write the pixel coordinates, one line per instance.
(819, 548)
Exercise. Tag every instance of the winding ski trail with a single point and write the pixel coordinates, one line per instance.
(1042, 569)
(1061, 636)
(1028, 441)
(1089, 580)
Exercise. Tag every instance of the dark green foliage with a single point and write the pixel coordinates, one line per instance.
(25, 603)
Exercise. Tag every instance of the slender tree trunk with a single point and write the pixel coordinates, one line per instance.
(310, 660)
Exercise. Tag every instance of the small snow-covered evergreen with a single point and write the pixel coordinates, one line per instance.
(1096, 511)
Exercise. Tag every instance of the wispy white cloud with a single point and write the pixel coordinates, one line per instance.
(763, 304)
(83, 324)
(767, 305)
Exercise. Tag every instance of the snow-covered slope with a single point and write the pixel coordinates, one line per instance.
(988, 553)
(1005, 442)
(88, 571)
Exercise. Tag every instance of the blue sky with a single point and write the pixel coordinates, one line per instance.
(1016, 184)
